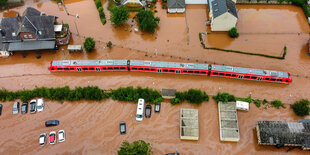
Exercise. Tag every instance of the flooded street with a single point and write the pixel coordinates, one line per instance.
(93, 127)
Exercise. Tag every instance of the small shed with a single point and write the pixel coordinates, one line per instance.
(168, 93)
(75, 48)
(240, 105)
(57, 28)
(176, 6)
(189, 127)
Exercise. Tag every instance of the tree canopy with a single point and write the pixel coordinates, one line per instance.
(233, 32)
(119, 15)
(147, 20)
(89, 44)
(138, 147)
(301, 107)
(2, 2)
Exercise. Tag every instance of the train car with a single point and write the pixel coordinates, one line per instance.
(88, 65)
(250, 74)
(169, 67)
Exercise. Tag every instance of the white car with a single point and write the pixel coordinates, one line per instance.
(61, 136)
(40, 104)
(53, 137)
(42, 139)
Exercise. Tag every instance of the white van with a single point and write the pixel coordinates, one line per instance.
(140, 110)
(40, 104)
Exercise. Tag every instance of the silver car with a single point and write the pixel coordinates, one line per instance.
(15, 108)
(61, 136)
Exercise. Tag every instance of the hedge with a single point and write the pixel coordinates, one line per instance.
(192, 96)
(101, 12)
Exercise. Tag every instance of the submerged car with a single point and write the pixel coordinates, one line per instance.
(16, 108)
(42, 139)
(24, 108)
(53, 137)
(33, 106)
(40, 104)
(122, 127)
(61, 136)
(148, 110)
(51, 123)
(157, 107)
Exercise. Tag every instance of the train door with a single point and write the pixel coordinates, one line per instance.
(97, 68)
(240, 76)
(178, 71)
(159, 70)
(259, 78)
(79, 69)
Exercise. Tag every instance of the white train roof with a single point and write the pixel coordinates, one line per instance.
(250, 71)
(168, 64)
(88, 62)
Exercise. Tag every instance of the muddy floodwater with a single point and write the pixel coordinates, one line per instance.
(93, 127)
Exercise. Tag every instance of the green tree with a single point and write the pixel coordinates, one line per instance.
(98, 4)
(109, 44)
(119, 15)
(224, 97)
(233, 32)
(301, 107)
(2, 2)
(147, 20)
(89, 44)
(139, 147)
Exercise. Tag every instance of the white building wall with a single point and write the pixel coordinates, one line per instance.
(176, 10)
(172, 10)
(196, 1)
(223, 22)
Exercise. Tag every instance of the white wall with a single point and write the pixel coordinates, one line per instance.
(223, 22)
(196, 1)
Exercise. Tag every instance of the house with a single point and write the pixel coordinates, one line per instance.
(176, 6)
(133, 3)
(34, 30)
(196, 1)
(223, 14)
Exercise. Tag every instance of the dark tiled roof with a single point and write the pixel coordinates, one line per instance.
(220, 7)
(176, 4)
(31, 45)
(31, 12)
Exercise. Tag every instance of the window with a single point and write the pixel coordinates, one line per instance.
(171, 70)
(190, 71)
(58, 68)
(152, 69)
(184, 71)
(228, 74)
(53, 69)
(71, 68)
(30, 36)
(85, 68)
(66, 68)
(279, 80)
(196, 71)
(273, 79)
(123, 68)
(104, 68)
(247, 76)
(110, 67)
(116, 67)
(267, 78)
(140, 68)
(91, 68)
(203, 72)
(165, 70)
(222, 74)
(134, 68)
(234, 75)
(285, 80)
(147, 69)
(215, 73)
(253, 77)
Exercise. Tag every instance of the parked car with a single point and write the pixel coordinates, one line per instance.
(24, 108)
(157, 107)
(0, 109)
(15, 108)
(42, 139)
(148, 110)
(33, 106)
(53, 137)
(51, 123)
(61, 136)
(40, 104)
(122, 127)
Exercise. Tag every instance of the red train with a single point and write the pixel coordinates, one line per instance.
(171, 67)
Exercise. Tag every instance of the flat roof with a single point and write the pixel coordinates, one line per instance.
(228, 121)
(57, 28)
(168, 92)
(189, 127)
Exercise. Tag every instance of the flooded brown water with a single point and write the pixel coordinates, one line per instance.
(97, 123)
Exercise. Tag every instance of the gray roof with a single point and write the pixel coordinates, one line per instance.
(176, 4)
(31, 45)
(168, 64)
(220, 7)
(250, 71)
(88, 62)
(41, 26)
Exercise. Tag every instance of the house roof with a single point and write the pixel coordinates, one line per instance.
(31, 45)
(41, 26)
(176, 4)
(220, 7)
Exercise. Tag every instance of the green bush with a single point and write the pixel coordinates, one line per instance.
(175, 101)
(100, 9)
(248, 99)
(139, 147)
(265, 101)
(133, 94)
(301, 107)
(147, 21)
(109, 44)
(89, 44)
(233, 32)
(103, 20)
(277, 104)
(257, 103)
(119, 15)
(224, 97)
(98, 3)
(153, 1)
(192, 96)
(102, 15)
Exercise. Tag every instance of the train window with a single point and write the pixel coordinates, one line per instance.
(184, 71)
(152, 69)
(267, 78)
(228, 74)
(253, 77)
(116, 67)
(247, 76)
(104, 68)
(85, 68)
(52, 69)
(222, 74)
(171, 70)
(58, 68)
(91, 68)
(273, 79)
(140, 68)
(196, 71)
(110, 67)
(65, 68)
(215, 73)
(203, 72)
(147, 69)
(233, 75)
(190, 71)
(122, 68)
(165, 70)
(279, 80)
(71, 68)
(135, 68)
(286, 80)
